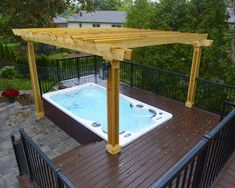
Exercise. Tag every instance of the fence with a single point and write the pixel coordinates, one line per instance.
(209, 95)
(35, 164)
(162, 82)
(202, 164)
(212, 94)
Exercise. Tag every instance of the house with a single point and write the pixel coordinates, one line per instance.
(93, 19)
(231, 19)
(60, 21)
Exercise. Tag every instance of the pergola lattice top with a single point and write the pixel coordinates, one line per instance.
(109, 43)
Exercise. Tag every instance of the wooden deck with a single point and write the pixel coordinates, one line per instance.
(227, 175)
(143, 161)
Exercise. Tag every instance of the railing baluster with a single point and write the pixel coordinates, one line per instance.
(16, 155)
(41, 169)
(184, 176)
(27, 156)
(35, 166)
(202, 164)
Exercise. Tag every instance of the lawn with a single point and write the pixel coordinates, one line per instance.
(21, 84)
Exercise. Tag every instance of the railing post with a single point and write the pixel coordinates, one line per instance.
(95, 69)
(200, 166)
(132, 67)
(157, 81)
(58, 70)
(40, 85)
(26, 155)
(60, 183)
(16, 154)
(78, 68)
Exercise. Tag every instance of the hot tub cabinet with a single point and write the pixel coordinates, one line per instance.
(69, 125)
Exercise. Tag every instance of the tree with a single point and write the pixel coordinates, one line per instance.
(170, 15)
(209, 17)
(30, 13)
(138, 16)
(188, 16)
(106, 4)
(126, 5)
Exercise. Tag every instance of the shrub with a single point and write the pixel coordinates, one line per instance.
(10, 92)
(9, 72)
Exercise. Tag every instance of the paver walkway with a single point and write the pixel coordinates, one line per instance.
(51, 139)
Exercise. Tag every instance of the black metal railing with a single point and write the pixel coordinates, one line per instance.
(48, 79)
(76, 67)
(228, 106)
(209, 95)
(159, 81)
(202, 164)
(34, 163)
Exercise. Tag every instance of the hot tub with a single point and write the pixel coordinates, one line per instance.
(86, 105)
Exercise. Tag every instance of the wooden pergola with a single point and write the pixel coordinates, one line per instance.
(114, 45)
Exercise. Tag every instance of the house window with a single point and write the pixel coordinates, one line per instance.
(96, 25)
(116, 25)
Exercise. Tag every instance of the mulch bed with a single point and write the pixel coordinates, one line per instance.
(23, 99)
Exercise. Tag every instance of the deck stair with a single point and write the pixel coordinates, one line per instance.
(227, 175)
(25, 182)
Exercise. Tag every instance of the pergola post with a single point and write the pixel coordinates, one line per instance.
(113, 146)
(34, 80)
(193, 76)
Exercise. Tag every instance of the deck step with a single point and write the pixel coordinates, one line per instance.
(227, 175)
(25, 182)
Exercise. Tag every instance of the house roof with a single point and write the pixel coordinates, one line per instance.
(99, 17)
(59, 20)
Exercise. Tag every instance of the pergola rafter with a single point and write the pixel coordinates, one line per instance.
(109, 43)
(114, 45)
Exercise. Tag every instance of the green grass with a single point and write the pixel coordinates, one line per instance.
(21, 84)
(12, 46)
(57, 55)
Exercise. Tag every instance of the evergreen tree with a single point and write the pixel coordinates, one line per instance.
(207, 16)
(106, 4)
(170, 15)
(210, 17)
(138, 16)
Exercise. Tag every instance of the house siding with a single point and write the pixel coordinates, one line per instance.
(89, 25)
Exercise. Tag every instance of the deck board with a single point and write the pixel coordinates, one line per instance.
(147, 158)
(227, 175)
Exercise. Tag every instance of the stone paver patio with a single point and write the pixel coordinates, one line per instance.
(51, 139)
